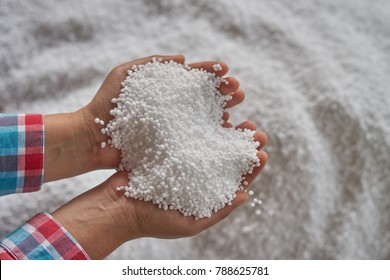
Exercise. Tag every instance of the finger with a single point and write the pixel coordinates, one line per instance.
(229, 86)
(261, 137)
(263, 157)
(247, 125)
(225, 116)
(209, 67)
(237, 97)
(227, 125)
(127, 66)
(178, 58)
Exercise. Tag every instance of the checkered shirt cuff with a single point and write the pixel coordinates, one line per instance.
(21, 153)
(41, 238)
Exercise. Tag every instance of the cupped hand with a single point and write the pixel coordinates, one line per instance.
(101, 105)
(73, 140)
(148, 220)
(102, 219)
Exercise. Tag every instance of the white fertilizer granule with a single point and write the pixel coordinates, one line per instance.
(217, 67)
(167, 125)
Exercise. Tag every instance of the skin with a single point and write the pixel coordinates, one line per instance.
(72, 147)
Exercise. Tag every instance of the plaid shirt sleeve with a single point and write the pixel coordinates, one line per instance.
(21, 170)
(41, 238)
(21, 153)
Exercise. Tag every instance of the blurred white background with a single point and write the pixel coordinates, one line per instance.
(316, 77)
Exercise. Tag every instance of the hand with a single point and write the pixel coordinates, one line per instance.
(101, 105)
(105, 214)
(72, 140)
(102, 219)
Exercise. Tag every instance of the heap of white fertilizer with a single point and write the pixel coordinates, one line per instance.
(167, 125)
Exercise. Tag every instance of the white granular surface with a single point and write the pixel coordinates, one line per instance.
(168, 126)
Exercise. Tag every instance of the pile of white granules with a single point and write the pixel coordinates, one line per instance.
(167, 123)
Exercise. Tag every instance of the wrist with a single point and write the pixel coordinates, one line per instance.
(68, 148)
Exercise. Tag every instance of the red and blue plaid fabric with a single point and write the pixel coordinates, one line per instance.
(21, 170)
(41, 238)
(21, 153)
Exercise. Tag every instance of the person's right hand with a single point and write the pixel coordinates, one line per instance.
(102, 219)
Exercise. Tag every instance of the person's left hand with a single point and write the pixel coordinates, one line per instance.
(101, 104)
(73, 140)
